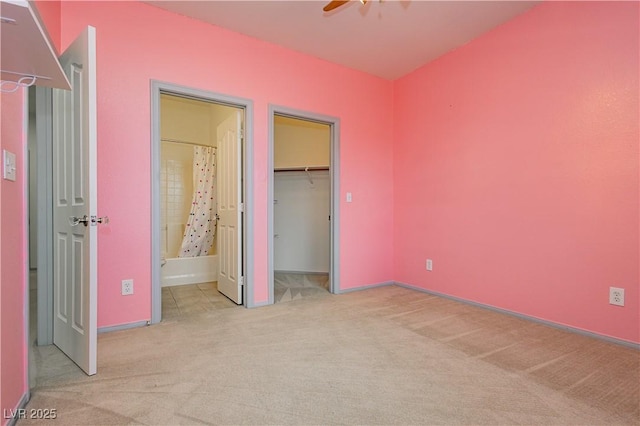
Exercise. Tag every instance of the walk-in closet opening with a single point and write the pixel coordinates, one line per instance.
(301, 208)
(199, 179)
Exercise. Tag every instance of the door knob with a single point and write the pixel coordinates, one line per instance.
(74, 221)
(96, 220)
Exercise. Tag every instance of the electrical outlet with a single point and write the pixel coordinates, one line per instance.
(127, 287)
(429, 265)
(616, 296)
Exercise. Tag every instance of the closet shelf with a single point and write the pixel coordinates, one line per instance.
(307, 169)
(28, 57)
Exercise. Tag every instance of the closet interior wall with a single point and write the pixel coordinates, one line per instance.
(302, 196)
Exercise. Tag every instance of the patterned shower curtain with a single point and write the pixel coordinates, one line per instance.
(201, 224)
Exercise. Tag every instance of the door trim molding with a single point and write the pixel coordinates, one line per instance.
(334, 173)
(158, 87)
(44, 221)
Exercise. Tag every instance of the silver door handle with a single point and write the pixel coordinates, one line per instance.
(74, 221)
(96, 220)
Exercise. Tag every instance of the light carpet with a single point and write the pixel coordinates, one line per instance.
(386, 355)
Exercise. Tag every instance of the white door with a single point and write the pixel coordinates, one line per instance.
(74, 203)
(229, 191)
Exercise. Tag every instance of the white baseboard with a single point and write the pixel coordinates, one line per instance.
(19, 412)
(122, 327)
(365, 287)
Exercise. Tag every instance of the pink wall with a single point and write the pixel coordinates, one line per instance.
(515, 163)
(516, 168)
(137, 43)
(49, 12)
(13, 262)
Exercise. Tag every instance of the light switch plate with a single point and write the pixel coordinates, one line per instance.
(8, 165)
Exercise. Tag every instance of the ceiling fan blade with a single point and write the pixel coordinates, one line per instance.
(334, 4)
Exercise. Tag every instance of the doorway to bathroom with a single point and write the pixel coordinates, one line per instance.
(198, 204)
(303, 214)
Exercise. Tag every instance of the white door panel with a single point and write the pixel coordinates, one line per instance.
(229, 191)
(75, 196)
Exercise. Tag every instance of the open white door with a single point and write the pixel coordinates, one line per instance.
(229, 189)
(75, 206)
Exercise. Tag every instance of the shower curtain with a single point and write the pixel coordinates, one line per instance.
(201, 224)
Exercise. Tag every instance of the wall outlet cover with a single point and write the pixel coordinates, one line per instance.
(127, 287)
(616, 296)
(429, 265)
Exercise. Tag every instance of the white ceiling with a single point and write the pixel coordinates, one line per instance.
(386, 38)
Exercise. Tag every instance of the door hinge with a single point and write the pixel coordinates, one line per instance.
(241, 134)
(241, 281)
(241, 207)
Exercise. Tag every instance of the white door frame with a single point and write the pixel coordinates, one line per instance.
(158, 87)
(44, 221)
(334, 176)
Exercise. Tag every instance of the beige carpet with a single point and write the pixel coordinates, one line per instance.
(381, 356)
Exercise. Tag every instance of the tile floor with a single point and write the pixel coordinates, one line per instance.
(183, 300)
(290, 286)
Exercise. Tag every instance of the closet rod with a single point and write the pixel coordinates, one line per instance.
(300, 169)
(186, 142)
